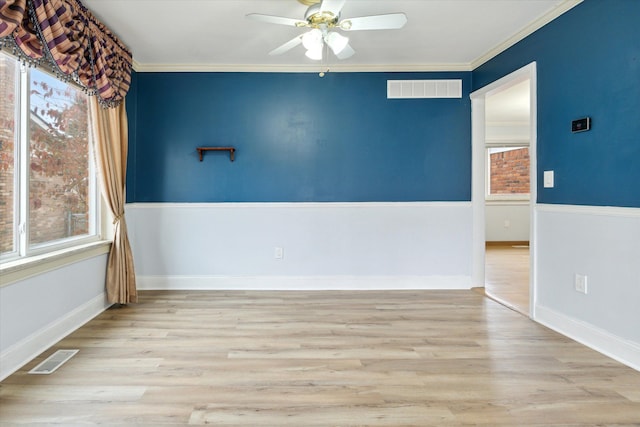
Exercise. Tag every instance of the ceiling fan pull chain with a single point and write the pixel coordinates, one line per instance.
(326, 55)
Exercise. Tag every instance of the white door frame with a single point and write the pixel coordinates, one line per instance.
(478, 166)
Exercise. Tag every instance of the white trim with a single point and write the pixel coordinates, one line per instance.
(478, 185)
(507, 202)
(297, 68)
(515, 197)
(525, 32)
(23, 268)
(25, 350)
(313, 205)
(599, 340)
(136, 65)
(519, 198)
(301, 283)
(506, 82)
(478, 175)
(590, 210)
(497, 143)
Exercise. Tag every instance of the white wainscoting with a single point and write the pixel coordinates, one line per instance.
(302, 283)
(507, 221)
(420, 245)
(602, 243)
(37, 312)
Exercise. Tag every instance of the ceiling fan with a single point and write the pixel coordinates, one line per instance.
(323, 19)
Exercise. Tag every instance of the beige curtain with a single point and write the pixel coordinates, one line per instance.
(110, 141)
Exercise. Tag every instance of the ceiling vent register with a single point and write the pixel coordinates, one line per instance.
(412, 89)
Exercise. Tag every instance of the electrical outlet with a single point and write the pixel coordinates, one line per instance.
(581, 283)
(507, 223)
(278, 253)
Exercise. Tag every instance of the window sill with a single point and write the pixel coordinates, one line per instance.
(15, 271)
(507, 202)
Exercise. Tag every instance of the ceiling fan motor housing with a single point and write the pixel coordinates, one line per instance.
(316, 18)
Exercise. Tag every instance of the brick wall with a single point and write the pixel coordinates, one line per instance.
(510, 172)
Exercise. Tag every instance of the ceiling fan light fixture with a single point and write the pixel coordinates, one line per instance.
(314, 54)
(312, 40)
(337, 42)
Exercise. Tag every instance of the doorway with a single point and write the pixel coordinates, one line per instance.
(503, 193)
(507, 188)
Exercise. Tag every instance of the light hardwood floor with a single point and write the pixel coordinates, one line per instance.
(507, 275)
(401, 358)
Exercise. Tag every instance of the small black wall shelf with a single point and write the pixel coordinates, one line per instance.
(231, 150)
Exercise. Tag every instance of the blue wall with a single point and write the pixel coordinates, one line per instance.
(132, 114)
(588, 64)
(298, 137)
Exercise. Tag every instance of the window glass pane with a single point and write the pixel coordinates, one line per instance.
(59, 160)
(9, 76)
(509, 171)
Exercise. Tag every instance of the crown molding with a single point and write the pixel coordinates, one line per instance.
(297, 68)
(136, 65)
(563, 7)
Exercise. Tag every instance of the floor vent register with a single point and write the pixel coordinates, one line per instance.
(53, 362)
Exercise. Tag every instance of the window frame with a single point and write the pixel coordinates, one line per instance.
(23, 252)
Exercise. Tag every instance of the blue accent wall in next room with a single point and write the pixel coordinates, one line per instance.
(588, 65)
(299, 138)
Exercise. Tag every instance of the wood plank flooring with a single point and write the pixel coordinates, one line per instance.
(507, 276)
(401, 358)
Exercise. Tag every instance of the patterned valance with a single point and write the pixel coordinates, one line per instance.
(65, 34)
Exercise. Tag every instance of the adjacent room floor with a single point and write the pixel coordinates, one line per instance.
(507, 275)
(410, 358)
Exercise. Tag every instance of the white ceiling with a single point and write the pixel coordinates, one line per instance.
(201, 35)
(511, 105)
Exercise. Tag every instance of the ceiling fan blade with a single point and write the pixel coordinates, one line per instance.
(333, 6)
(347, 52)
(280, 20)
(287, 46)
(390, 21)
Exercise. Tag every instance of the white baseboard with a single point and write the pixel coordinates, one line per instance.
(25, 350)
(610, 345)
(301, 283)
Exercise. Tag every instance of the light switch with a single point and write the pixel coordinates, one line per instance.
(548, 179)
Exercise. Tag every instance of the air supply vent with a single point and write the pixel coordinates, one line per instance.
(53, 362)
(401, 89)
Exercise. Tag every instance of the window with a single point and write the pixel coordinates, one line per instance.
(48, 197)
(508, 172)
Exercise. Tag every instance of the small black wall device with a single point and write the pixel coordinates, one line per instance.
(581, 125)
